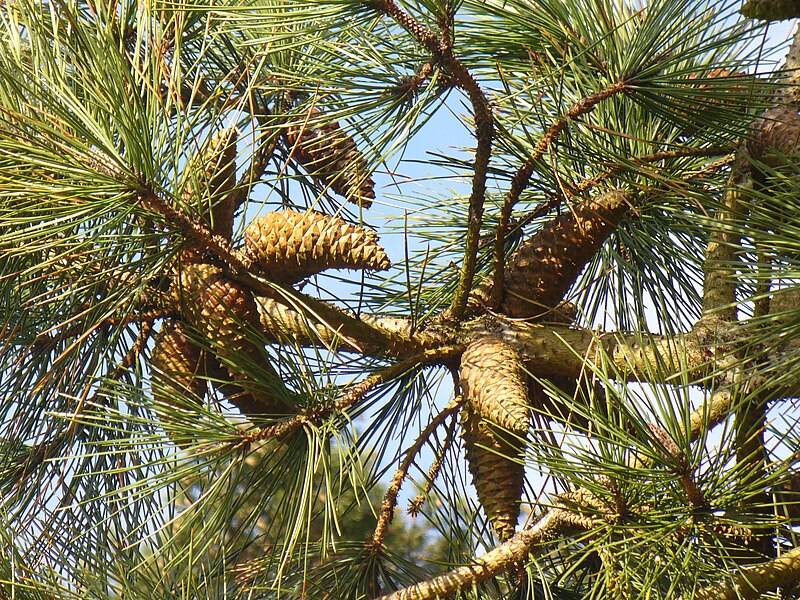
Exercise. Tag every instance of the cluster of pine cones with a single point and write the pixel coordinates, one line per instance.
(217, 337)
(500, 399)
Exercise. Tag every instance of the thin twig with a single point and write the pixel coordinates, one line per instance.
(413, 83)
(680, 466)
(354, 394)
(441, 50)
(45, 340)
(47, 450)
(134, 351)
(484, 125)
(433, 472)
(649, 158)
(390, 499)
(261, 158)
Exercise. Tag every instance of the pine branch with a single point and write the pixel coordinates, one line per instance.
(680, 466)
(258, 165)
(484, 134)
(751, 582)
(719, 285)
(790, 93)
(615, 169)
(353, 395)
(415, 504)
(521, 178)
(562, 520)
(390, 499)
(351, 331)
(281, 321)
(558, 522)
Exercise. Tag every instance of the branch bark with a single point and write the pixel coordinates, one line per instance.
(751, 582)
(441, 50)
(558, 521)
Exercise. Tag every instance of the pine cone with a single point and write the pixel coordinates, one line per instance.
(771, 10)
(211, 177)
(495, 424)
(330, 155)
(548, 263)
(776, 136)
(178, 368)
(224, 311)
(292, 245)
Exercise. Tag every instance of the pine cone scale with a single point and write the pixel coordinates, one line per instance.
(224, 311)
(330, 155)
(177, 363)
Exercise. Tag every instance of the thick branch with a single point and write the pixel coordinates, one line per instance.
(281, 322)
(751, 582)
(555, 523)
(556, 350)
(750, 422)
(719, 284)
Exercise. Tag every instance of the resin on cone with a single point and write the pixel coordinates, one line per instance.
(290, 245)
(331, 156)
(495, 419)
(547, 264)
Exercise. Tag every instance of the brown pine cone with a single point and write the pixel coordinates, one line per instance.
(211, 177)
(548, 263)
(225, 312)
(771, 10)
(330, 155)
(178, 368)
(495, 421)
(498, 472)
(775, 136)
(291, 245)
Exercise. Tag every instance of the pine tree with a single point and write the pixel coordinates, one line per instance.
(239, 329)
